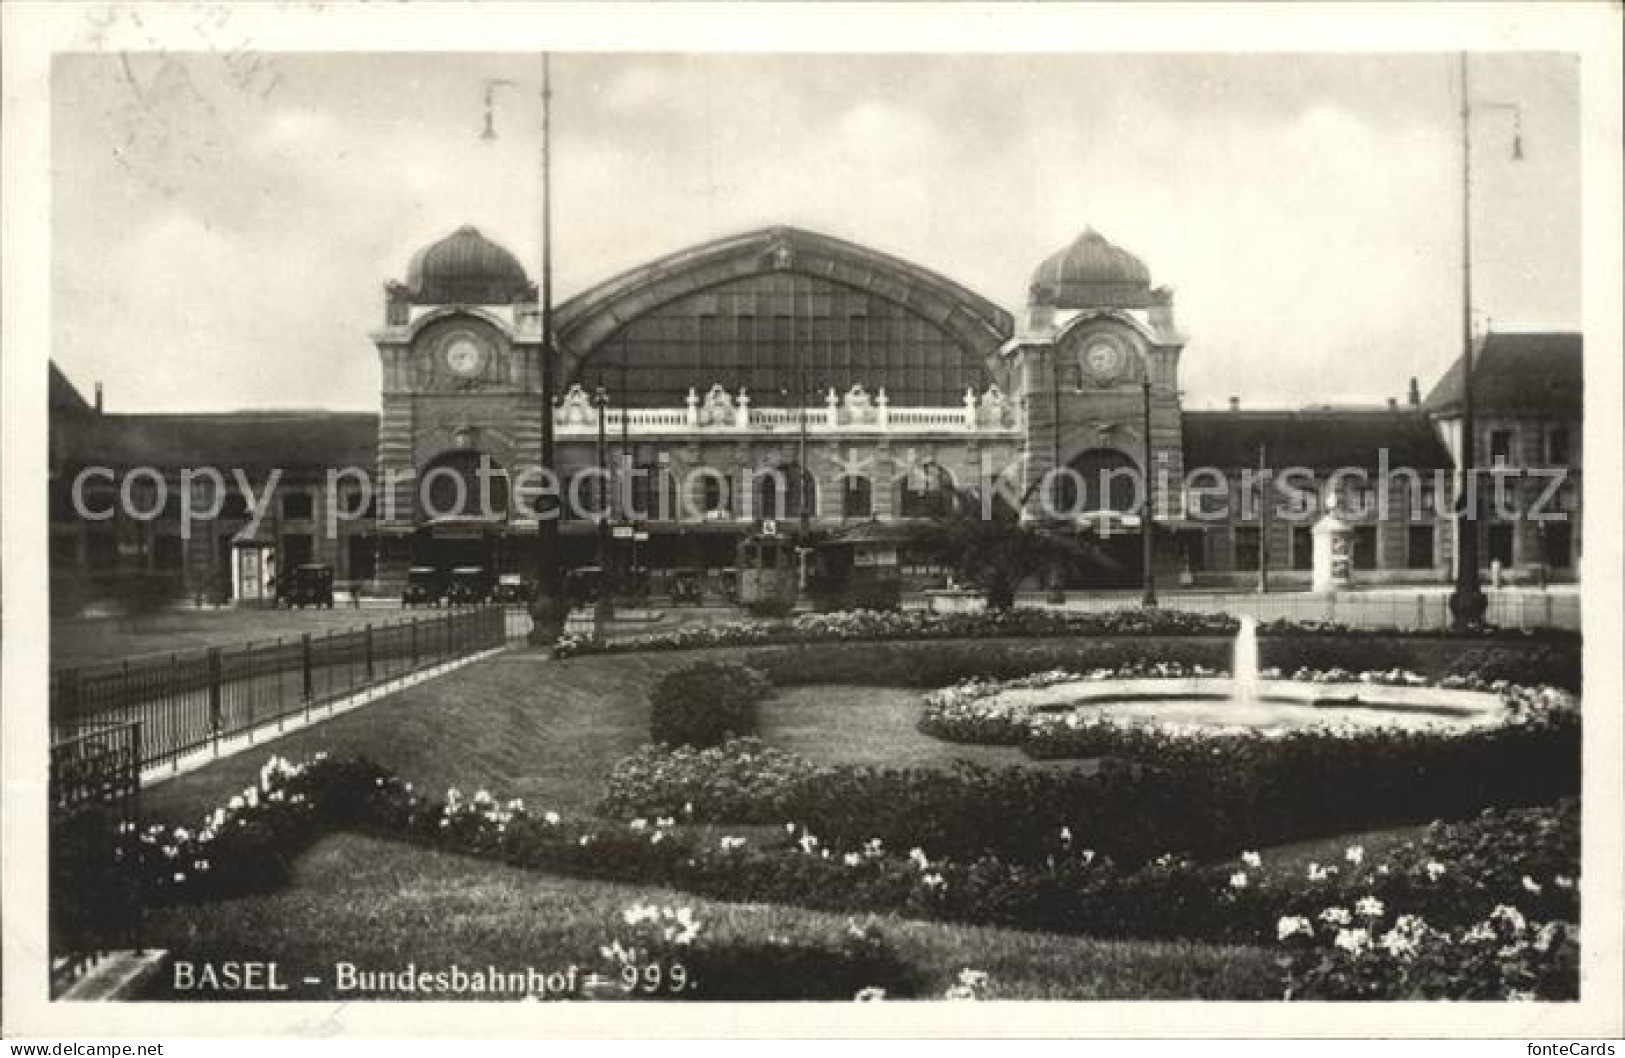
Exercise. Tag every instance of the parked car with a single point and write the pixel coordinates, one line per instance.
(511, 588)
(309, 585)
(470, 586)
(425, 586)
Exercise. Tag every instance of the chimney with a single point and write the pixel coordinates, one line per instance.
(1235, 403)
(98, 398)
(1393, 403)
(1414, 396)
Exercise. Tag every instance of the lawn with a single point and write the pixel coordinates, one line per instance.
(381, 906)
(522, 725)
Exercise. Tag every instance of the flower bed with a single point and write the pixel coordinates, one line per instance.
(1455, 879)
(856, 625)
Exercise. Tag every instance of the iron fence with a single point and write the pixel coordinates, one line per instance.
(94, 791)
(187, 701)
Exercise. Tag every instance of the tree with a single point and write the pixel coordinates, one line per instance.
(996, 552)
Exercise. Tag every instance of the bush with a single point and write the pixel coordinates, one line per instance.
(705, 704)
(1556, 666)
(667, 953)
(742, 780)
(926, 664)
(1354, 653)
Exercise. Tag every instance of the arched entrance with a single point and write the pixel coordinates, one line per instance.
(1101, 493)
(462, 503)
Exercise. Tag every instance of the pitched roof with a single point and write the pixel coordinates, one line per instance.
(64, 396)
(1533, 373)
(247, 439)
(1314, 438)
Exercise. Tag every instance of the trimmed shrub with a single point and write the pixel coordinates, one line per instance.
(1557, 666)
(740, 781)
(705, 704)
(770, 609)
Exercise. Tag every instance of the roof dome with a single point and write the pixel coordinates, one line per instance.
(1092, 273)
(466, 268)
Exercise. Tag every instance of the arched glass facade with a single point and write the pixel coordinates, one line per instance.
(773, 333)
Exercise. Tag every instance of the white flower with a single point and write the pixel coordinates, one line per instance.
(179, 877)
(1510, 916)
(1353, 941)
(852, 859)
(551, 819)
(870, 995)
(917, 857)
(934, 881)
(1435, 870)
(638, 824)
(665, 821)
(1530, 885)
(1370, 907)
(1238, 880)
(1336, 916)
(1398, 944)
(1354, 854)
(1252, 859)
(1292, 925)
(1066, 835)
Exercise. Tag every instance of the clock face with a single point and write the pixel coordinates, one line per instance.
(465, 355)
(1103, 359)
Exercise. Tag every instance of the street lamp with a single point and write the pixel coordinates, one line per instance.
(547, 608)
(1468, 603)
(1148, 516)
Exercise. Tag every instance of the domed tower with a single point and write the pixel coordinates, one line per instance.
(1095, 334)
(460, 353)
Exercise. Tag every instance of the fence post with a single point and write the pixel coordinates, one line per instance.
(369, 653)
(214, 696)
(451, 627)
(308, 686)
(1547, 599)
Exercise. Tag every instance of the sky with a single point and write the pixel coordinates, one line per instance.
(223, 224)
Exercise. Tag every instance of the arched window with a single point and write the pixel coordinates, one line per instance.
(926, 492)
(715, 494)
(857, 497)
(781, 492)
(1108, 480)
(463, 485)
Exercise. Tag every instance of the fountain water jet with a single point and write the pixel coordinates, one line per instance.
(1244, 664)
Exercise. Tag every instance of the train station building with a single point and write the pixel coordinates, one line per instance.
(792, 381)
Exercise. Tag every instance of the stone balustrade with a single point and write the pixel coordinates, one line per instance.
(720, 412)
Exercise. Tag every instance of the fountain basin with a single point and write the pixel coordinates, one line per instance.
(1207, 701)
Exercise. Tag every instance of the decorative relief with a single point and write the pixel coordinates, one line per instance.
(718, 409)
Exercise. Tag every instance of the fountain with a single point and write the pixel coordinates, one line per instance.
(1244, 664)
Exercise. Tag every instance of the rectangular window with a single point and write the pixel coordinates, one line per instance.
(1557, 539)
(168, 553)
(1365, 547)
(1303, 547)
(1419, 547)
(297, 505)
(1557, 446)
(1500, 447)
(1500, 543)
(1246, 546)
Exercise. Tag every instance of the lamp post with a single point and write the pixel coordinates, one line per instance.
(1468, 603)
(1148, 515)
(602, 607)
(547, 608)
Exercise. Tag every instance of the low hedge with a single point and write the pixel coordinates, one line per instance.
(873, 625)
(1509, 875)
(705, 704)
